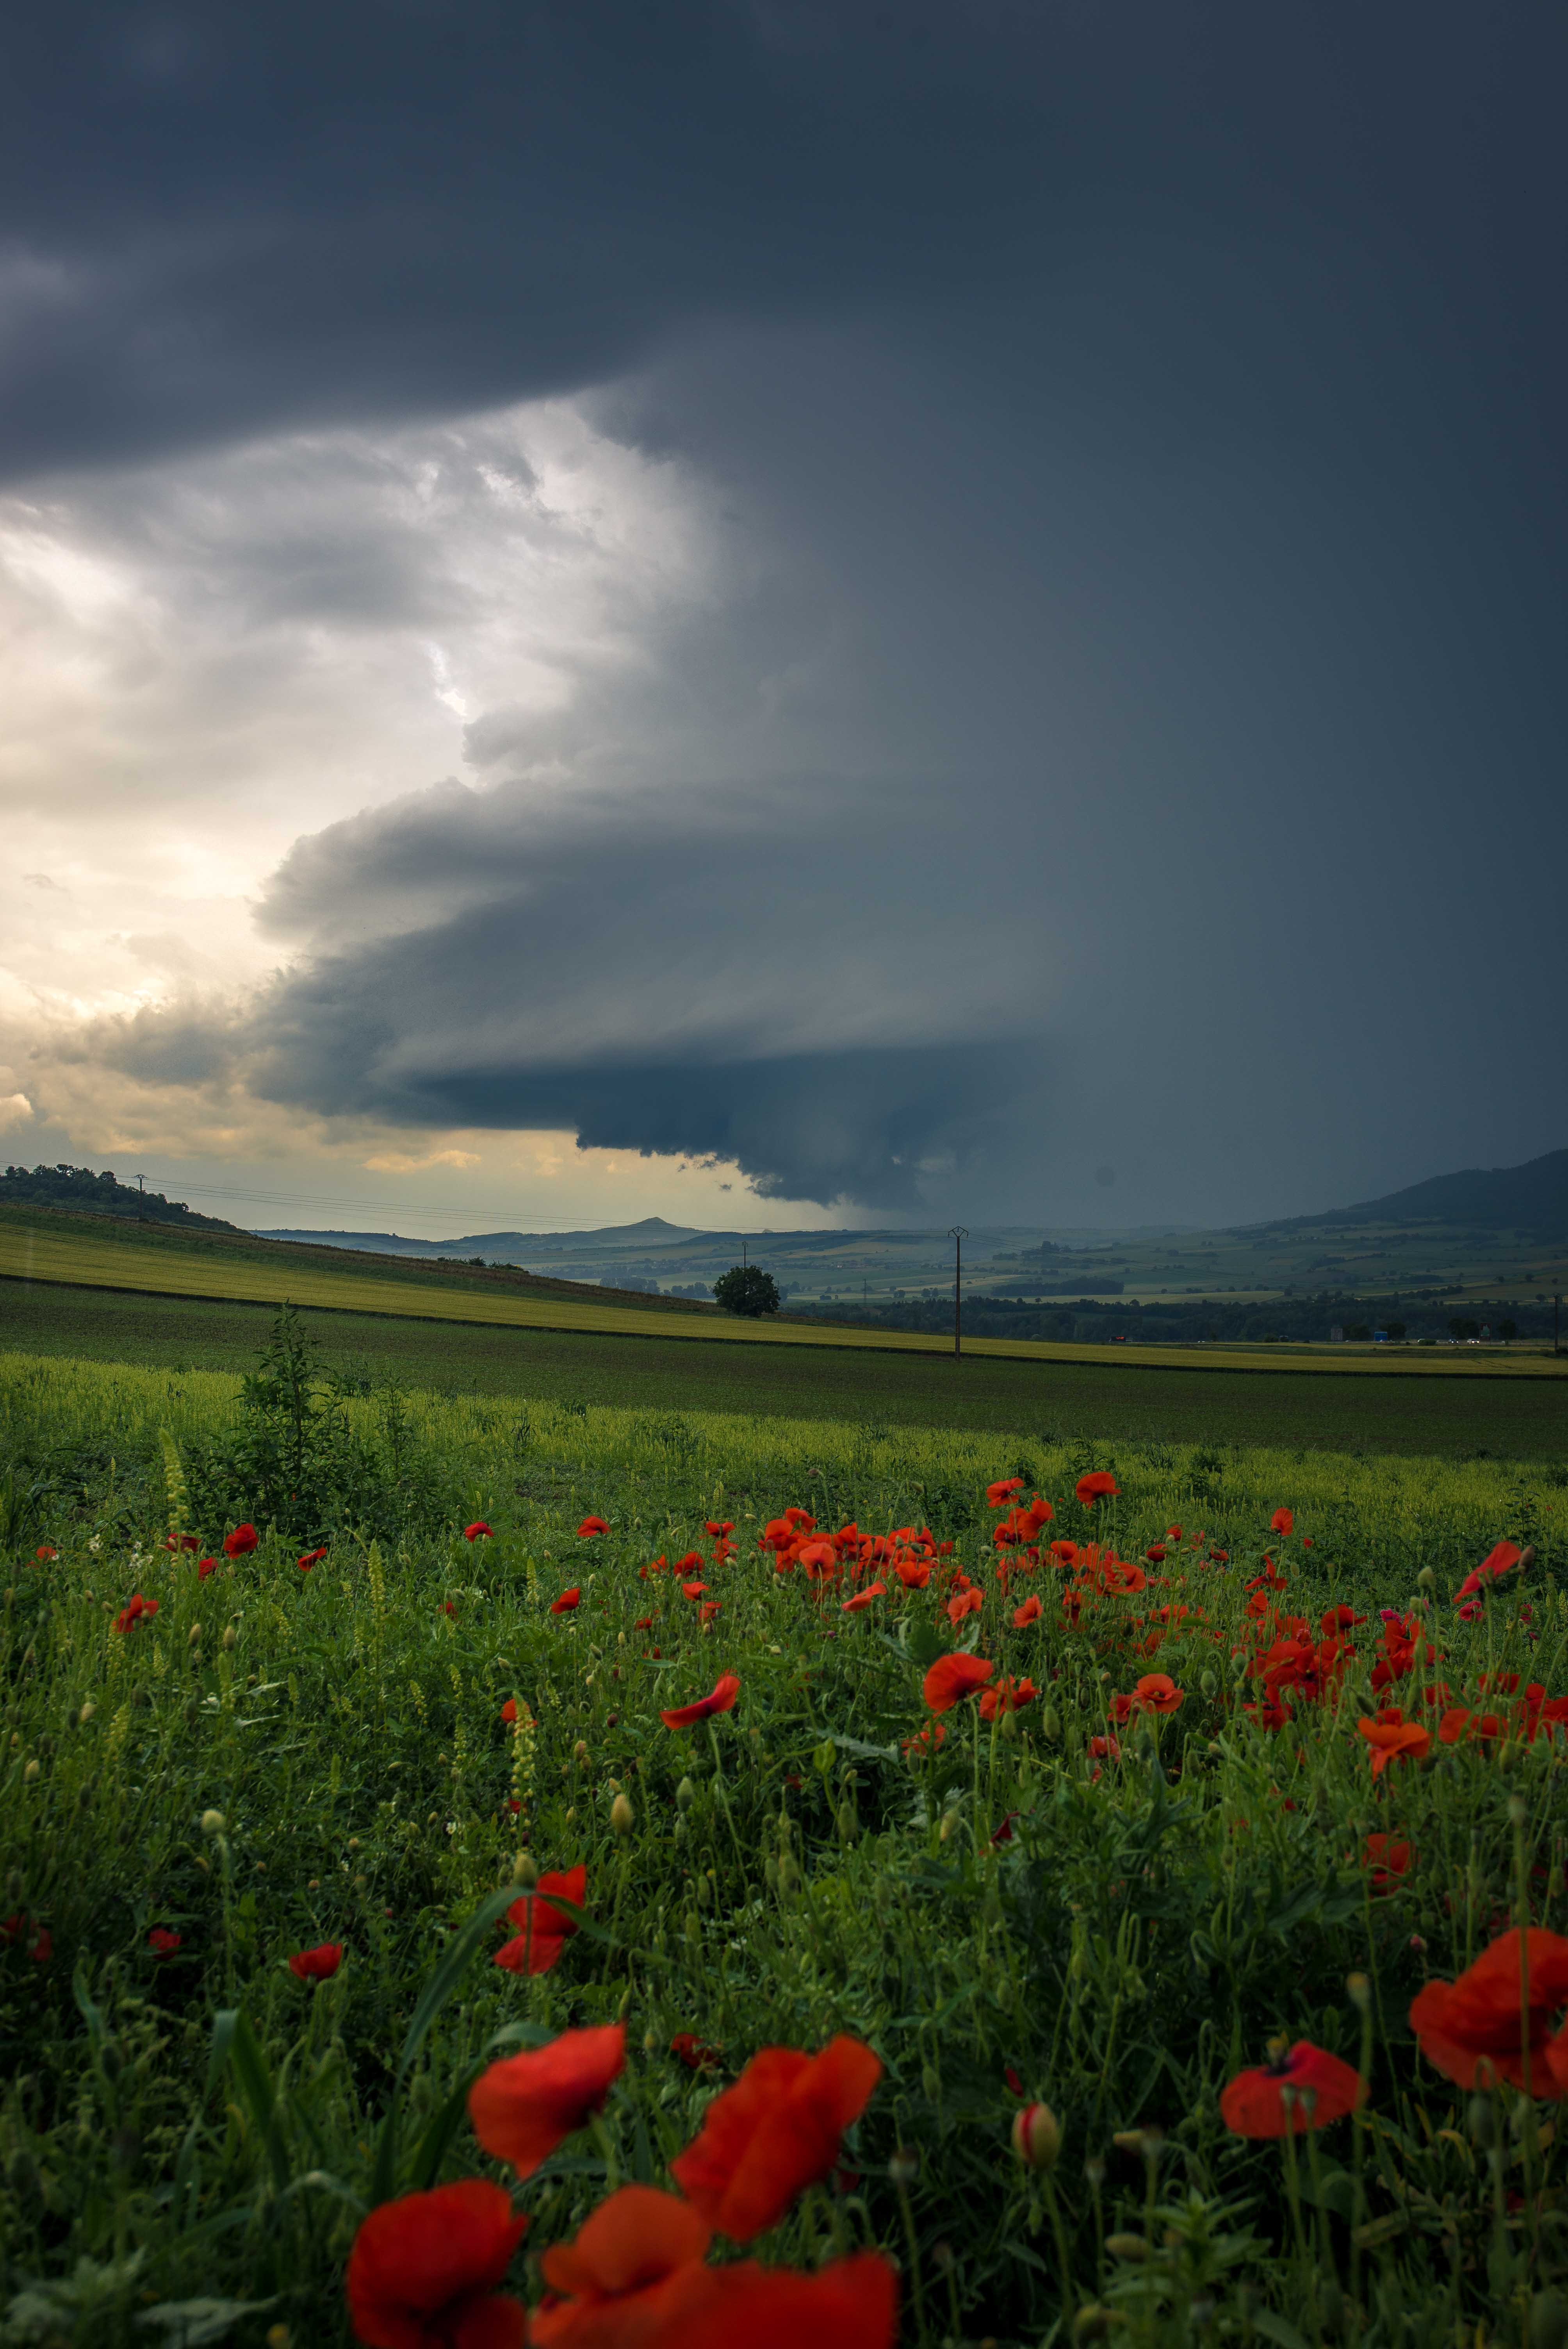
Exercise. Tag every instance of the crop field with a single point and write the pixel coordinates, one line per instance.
(422, 1814)
(39, 1250)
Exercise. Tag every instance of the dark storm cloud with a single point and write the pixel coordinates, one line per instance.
(1137, 744)
(658, 978)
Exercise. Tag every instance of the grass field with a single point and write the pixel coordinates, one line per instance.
(1512, 1419)
(1107, 1901)
(38, 1248)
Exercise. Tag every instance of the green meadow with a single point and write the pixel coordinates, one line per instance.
(1115, 1908)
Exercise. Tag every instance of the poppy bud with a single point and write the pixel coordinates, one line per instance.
(1036, 2136)
(788, 1873)
(1427, 1578)
(1359, 1990)
(1517, 1809)
(195, 1637)
(580, 1751)
(1480, 2119)
(86, 1712)
(525, 1869)
(903, 2164)
(650, 2041)
(278, 2336)
(686, 1794)
(231, 1639)
(1131, 2248)
(212, 1823)
(705, 1889)
(1092, 2322)
(623, 1818)
(1209, 1684)
(30, 1774)
(1050, 1724)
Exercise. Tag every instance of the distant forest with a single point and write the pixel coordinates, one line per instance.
(81, 1188)
(1185, 1319)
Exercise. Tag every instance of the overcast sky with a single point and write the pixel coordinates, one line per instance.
(782, 611)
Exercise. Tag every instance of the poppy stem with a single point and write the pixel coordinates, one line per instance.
(1518, 1812)
(720, 1789)
(917, 2288)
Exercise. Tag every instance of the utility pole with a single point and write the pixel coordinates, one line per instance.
(744, 1259)
(141, 1188)
(1556, 1304)
(958, 1236)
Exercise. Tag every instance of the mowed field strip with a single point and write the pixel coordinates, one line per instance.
(86, 1261)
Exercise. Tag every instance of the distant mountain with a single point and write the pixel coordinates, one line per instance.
(1530, 1198)
(651, 1232)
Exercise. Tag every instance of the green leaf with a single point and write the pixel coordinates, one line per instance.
(439, 2130)
(1274, 2328)
(455, 1960)
(223, 2024)
(187, 2323)
(926, 1644)
(862, 1752)
(256, 2087)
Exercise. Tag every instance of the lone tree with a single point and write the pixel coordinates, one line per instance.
(747, 1288)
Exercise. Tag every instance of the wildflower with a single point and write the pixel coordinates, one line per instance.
(708, 1609)
(1007, 1697)
(1100, 1485)
(1065, 1553)
(129, 1617)
(1157, 1692)
(318, 1964)
(1104, 1749)
(965, 1602)
(1335, 1619)
(926, 1742)
(543, 1929)
(719, 1698)
(162, 1942)
(241, 1542)
(694, 2052)
(862, 1598)
(1156, 1554)
(773, 2133)
(1036, 2136)
(636, 2274)
(509, 1711)
(565, 1603)
(1283, 1523)
(1321, 2089)
(727, 1526)
(1394, 1740)
(1271, 1715)
(424, 2270)
(590, 1526)
(1497, 1562)
(478, 1531)
(998, 1495)
(1476, 2030)
(1030, 1613)
(206, 1566)
(525, 2105)
(952, 1678)
(43, 1552)
(1386, 1860)
(1459, 1722)
(312, 1558)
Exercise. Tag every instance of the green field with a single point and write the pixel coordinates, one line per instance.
(1452, 1418)
(275, 1760)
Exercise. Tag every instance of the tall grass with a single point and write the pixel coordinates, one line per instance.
(1118, 1940)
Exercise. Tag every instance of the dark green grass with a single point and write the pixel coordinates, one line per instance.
(1451, 1419)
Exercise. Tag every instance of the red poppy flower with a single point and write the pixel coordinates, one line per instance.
(241, 1542)
(478, 1531)
(590, 1526)
(929, 1739)
(129, 1617)
(914, 1573)
(694, 2052)
(775, 2133)
(862, 1598)
(162, 1942)
(1475, 2029)
(1007, 1697)
(1157, 1692)
(543, 1929)
(1323, 2089)
(952, 1678)
(206, 1566)
(1104, 1749)
(1065, 1553)
(1283, 1522)
(1386, 1860)
(448, 1609)
(1394, 1740)
(312, 1558)
(1100, 1485)
(424, 2270)
(708, 1609)
(1030, 1613)
(643, 1623)
(998, 1495)
(318, 1964)
(719, 1698)
(525, 2105)
(508, 1709)
(726, 1526)
(965, 1602)
(565, 1603)
(693, 1589)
